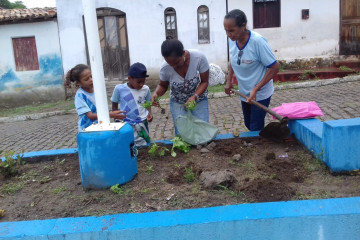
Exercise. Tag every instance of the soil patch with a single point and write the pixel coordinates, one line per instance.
(236, 170)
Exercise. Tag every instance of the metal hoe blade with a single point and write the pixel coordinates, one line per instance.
(274, 131)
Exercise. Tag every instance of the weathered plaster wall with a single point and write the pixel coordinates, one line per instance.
(146, 31)
(296, 38)
(43, 85)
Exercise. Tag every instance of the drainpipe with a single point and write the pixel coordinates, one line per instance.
(96, 63)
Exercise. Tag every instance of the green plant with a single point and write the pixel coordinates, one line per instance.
(189, 175)
(191, 105)
(179, 144)
(345, 68)
(58, 190)
(149, 169)
(146, 105)
(153, 149)
(308, 74)
(162, 151)
(10, 166)
(11, 188)
(116, 189)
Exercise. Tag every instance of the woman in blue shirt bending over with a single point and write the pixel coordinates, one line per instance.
(254, 65)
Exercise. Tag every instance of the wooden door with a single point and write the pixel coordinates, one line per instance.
(114, 43)
(349, 27)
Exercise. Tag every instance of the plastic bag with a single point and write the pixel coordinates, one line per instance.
(195, 131)
(299, 110)
(216, 75)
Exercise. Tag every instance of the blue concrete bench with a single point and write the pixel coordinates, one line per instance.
(335, 142)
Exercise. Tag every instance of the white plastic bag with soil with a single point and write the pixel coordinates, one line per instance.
(216, 75)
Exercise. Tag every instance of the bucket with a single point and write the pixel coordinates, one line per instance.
(107, 157)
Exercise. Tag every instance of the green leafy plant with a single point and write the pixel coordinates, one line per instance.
(162, 151)
(116, 189)
(149, 169)
(10, 166)
(189, 175)
(191, 105)
(345, 68)
(146, 105)
(153, 149)
(180, 144)
(308, 74)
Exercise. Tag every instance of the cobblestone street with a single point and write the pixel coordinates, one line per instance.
(337, 101)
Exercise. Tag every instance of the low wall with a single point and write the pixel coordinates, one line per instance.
(335, 142)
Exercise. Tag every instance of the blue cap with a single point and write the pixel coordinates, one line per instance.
(137, 70)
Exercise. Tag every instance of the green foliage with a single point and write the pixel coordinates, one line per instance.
(10, 167)
(345, 68)
(189, 175)
(58, 190)
(153, 149)
(180, 144)
(149, 169)
(116, 189)
(308, 74)
(9, 5)
(146, 105)
(11, 188)
(191, 105)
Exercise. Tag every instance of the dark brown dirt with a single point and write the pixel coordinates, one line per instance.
(51, 187)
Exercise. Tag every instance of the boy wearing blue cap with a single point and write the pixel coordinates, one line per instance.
(132, 97)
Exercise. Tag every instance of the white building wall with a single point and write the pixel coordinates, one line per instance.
(43, 85)
(146, 31)
(317, 36)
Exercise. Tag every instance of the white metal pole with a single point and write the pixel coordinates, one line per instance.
(97, 70)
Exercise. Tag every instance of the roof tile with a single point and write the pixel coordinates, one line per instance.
(27, 14)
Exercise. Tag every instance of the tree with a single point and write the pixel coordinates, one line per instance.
(9, 5)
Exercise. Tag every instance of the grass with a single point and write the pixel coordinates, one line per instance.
(65, 105)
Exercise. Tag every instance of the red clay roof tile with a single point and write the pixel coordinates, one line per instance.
(13, 15)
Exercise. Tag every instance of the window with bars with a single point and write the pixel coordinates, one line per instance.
(170, 23)
(25, 54)
(203, 24)
(266, 13)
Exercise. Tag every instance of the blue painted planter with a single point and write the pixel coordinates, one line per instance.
(106, 157)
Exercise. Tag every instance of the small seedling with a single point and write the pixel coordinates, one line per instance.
(116, 189)
(189, 175)
(153, 149)
(149, 169)
(10, 167)
(179, 144)
(11, 188)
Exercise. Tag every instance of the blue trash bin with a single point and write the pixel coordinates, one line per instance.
(107, 157)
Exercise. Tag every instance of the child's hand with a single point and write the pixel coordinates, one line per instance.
(149, 117)
(117, 114)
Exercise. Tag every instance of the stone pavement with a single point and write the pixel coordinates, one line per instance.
(337, 98)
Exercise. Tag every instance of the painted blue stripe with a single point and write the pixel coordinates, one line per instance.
(46, 153)
(231, 213)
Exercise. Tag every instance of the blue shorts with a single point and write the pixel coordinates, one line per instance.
(201, 111)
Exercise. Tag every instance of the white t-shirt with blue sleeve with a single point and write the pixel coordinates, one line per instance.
(131, 101)
(84, 102)
(256, 58)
